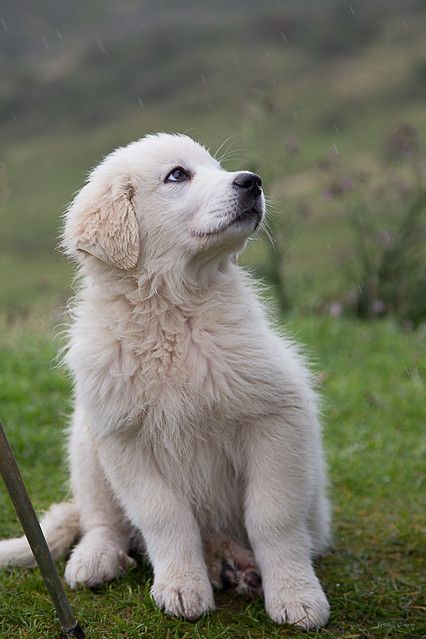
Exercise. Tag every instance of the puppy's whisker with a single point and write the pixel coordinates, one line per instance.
(218, 150)
(233, 155)
(269, 236)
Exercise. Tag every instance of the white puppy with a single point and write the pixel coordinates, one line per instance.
(195, 424)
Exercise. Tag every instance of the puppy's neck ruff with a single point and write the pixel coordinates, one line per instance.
(183, 284)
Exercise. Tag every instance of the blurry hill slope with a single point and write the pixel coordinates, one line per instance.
(82, 63)
(79, 79)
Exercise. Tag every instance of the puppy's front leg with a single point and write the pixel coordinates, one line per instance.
(279, 485)
(171, 534)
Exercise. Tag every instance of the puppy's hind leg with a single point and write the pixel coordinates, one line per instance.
(101, 554)
(231, 566)
(319, 522)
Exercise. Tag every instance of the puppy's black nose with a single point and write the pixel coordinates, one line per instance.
(249, 182)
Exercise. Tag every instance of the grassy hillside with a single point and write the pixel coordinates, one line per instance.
(331, 76)
(372, 576)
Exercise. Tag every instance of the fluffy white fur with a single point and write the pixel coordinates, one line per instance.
(193, 419)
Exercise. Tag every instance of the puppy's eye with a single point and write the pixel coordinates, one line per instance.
(178, 174)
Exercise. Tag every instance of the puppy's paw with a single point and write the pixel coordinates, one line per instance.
(93, 565)
(232, 567)
(184, 596)
(306, 607)
(244, 579)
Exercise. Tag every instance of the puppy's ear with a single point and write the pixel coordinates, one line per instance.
(102, 222)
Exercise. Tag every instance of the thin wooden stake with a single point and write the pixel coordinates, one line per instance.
(25, 511)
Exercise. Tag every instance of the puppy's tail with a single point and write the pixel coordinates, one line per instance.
(61, 527)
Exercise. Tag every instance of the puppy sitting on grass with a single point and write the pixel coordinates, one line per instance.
(195, 424)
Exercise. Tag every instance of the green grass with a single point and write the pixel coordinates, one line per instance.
(372, 378)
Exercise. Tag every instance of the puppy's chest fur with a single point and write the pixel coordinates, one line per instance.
(156, 364)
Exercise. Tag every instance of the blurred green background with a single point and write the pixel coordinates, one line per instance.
(324, 98)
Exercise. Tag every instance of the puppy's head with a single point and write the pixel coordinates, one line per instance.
(161, 202)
